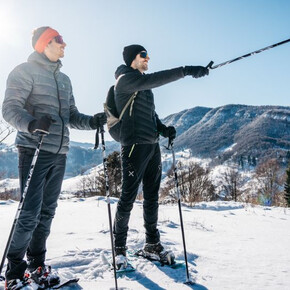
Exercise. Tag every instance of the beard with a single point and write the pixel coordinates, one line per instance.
(144, 66)
(141, 65)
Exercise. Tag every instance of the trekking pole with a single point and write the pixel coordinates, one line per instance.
(171, 147)
(246, 55)
(107, 194)
(20, 206)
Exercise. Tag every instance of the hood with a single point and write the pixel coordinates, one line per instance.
(123, 69)
(41, 59)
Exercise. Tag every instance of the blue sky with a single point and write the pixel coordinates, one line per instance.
(175, 33)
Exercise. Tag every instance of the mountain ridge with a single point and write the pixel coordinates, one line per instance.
(222, 133)
(249, 127)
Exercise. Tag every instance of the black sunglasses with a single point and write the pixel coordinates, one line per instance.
(59, 39)
(144, 54)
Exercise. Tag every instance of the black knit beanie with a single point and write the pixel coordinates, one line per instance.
(37, 33)
(130, 52)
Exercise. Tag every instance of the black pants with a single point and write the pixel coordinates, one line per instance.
(33, 226)
(141, 162)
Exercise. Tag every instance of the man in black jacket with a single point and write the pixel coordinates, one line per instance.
(140, 152)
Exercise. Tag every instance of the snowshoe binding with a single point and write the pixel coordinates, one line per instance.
(156, 252)
(44, 277)
(121, 260)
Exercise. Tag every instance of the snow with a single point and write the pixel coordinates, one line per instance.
(230, 245)
(229, 148)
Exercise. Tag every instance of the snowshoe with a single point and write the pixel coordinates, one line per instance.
(64, 283)
(156, 252)
(44, 277)
(15, 284)
(121, 262)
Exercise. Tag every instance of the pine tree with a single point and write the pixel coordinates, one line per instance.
(287, 186)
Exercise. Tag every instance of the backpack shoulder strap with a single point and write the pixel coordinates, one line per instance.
(131, 100)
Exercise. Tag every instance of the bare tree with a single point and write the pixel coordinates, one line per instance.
(12, 193)
(94, 184)
(231, 183)
(198, 183)
(194, 183)
(82, 185)
(5, 130)
(167, 191)
(267, 175)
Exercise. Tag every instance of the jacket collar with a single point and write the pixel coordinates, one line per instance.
(42, 60)
(124, 69)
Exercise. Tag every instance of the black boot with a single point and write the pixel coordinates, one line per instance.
(157, 252)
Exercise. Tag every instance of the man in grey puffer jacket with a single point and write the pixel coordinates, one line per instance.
(39, 98)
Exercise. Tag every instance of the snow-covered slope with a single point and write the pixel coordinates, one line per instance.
(259, 131)
(230, 245)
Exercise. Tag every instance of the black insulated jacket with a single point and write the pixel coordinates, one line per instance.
(142, 126)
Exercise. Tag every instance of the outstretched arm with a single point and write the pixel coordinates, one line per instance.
(135, 81)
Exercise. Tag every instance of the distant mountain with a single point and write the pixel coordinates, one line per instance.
(81, 157)
(8, 161)
(233, 130)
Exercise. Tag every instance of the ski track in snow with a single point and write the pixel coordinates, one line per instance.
(229, 245)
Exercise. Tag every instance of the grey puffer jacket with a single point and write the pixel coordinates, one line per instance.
(37, 88)
(142, 126)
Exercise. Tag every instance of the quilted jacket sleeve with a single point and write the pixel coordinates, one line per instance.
(19, 86)
(132, 82)
(78, 120)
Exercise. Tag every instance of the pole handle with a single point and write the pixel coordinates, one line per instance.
(102, 130)
(209, 66)
(97, 140)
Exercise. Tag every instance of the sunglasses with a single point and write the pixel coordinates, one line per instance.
(143, 54)
(58, 39)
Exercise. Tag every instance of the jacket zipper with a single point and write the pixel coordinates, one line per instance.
(59, 111)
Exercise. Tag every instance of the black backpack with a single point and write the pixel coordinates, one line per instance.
(113, 118)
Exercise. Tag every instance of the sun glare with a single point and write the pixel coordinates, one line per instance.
(7, 25)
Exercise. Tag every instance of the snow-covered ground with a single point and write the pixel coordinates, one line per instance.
(230, 245)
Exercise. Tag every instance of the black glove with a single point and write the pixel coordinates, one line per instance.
(98, 120)
(41, 125)
(169, 132)
(195, 71)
